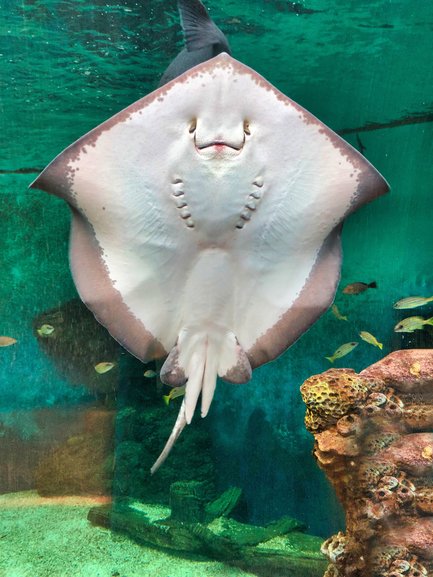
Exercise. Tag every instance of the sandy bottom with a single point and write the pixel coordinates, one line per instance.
(52, 538)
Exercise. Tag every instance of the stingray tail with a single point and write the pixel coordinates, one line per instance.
(197, 360)
(177, 429)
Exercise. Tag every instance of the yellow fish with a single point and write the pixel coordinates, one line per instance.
(411, 324)
(342, 351)
(412, 302)
(45, 330)
(149, 374)
(7, 341)
(104, 367)
(371, 339)
(173, 394)
(337, 314)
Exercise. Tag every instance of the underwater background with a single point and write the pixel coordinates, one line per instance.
(365, 70)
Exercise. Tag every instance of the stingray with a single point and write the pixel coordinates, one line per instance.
(207, 218)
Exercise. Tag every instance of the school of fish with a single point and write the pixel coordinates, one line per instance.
(406, 325)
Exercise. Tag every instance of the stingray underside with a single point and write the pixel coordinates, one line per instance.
(206, 223)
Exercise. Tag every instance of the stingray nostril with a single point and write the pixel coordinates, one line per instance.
(247, 127)
(192, 125)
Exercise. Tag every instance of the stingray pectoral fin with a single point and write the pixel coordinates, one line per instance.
(313, 300)
(99, 294)
(177, 429)
(234, 365)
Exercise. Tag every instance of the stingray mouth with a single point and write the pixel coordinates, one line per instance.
(219, 143)
(222, 145)
(218, 147)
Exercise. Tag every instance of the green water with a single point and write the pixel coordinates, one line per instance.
(363, 68)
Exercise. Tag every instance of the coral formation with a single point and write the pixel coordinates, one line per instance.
(374, 440)
(332, 395)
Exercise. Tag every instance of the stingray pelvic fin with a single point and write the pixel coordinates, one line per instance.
(200, 359)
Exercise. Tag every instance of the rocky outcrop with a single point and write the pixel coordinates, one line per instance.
(374, 440)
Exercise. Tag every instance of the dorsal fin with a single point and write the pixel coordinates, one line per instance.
(198, 28)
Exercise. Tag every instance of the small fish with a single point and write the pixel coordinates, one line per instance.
(356, 288)
(104, 367)
(173, 394)
(411, 324)
(337, 314)
(412, 302)
(370, 339)
(45, 330)
(149, 374)
(7, 341)
(342, 351)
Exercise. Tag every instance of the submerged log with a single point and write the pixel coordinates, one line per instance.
(279, 549)
(224, 505)
(187, 501)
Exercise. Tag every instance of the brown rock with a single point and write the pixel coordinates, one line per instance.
(418, 417)
(411, 453)
(424, 500)
(407, 371)
(332, 442)
(374, 440)
(416, 535)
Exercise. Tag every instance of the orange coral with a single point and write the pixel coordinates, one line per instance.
(331, 395)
